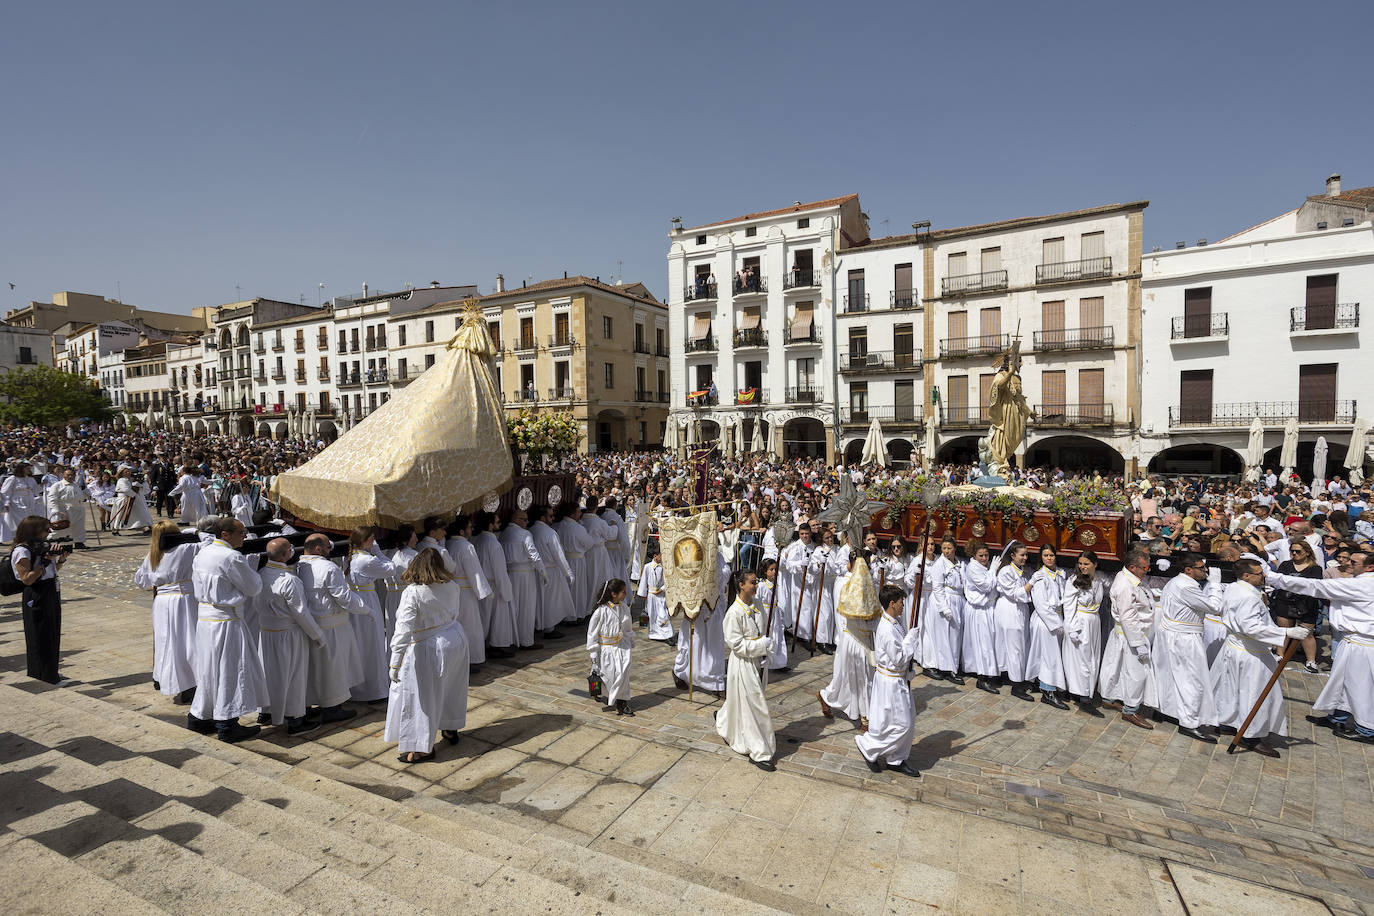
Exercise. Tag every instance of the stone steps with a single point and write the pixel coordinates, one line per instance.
(159, 806)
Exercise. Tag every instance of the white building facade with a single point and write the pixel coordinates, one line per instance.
(1266, 323)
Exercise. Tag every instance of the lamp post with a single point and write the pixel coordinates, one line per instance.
(930, 498)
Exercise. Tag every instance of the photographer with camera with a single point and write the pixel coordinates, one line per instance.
(35, 563)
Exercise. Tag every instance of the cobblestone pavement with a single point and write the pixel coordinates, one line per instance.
(1020, 806)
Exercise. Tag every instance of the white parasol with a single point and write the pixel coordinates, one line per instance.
(757, 445)
(1354, 456)
(727, 435)
(1254, 453)
(1288, 456)
(875, 451)
(670, 435)
(1319, 467)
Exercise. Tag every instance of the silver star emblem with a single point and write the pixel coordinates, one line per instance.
(850, 511)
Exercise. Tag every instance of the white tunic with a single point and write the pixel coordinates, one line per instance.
(130, 508)
(1179, 653)
(430, 651)
(765, 599)
(193, 505)
(655, 604)
(743, 719)
(1044, 652)
(174, 618)
(793, 561)
(498, 620)
(22, 497)
(610, 642)
(286, 630)
(67, 501)
(1351, 685)
(618, 547)
(555, 600)
(1245, 663)
(525, 567)
(980, 622)
(369, 629)
(818, 602)
(1082, 636)
(229, 677)
(335, 667)
(942, 619)
(891, 718)
(578, 543)
(400, 562)
(599, 565)
(852, 672)
(1124, 676)
(473, 588)
(1012, 614)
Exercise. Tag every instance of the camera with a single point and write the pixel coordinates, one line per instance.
(53, 549)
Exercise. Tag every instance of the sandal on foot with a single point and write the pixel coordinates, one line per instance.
(410, 757)
(450, 735)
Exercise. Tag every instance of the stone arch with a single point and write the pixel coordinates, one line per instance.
(900, 450)
(853, 451)
(803, 437)
(1198, 458)
(958, 450)
(328, 431)
(1075, 453)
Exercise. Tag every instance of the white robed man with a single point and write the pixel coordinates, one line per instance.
(793, 562)
(618, 548)
(852, 672)
(578, 544)
(891, 718)
(1179, 652)
(599, 565)
(435, 535)
(286, 631)
(498, 620)
(1245, 663)
(555, 601)
(473, 586)
(743, 720)
(525, 567)
(335, 667)
(365, 566)
(191, 488)
(67, 498)
(1126, 679)
(229, 677)
(1349, 692)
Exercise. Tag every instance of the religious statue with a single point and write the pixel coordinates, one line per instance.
(1007, 413)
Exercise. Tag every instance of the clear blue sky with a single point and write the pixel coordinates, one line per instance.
(181, 149)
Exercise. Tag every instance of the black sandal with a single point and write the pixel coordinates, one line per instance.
(450, 735)
(415, 757)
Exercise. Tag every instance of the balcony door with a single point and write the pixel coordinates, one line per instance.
(1052, 324)
(1091, 394)
(1195, 395)
(1317, 393)
(904, 401)
(1321, 302)
(956, 398)
(1197, 312)
(858, 347)
(1051, 394)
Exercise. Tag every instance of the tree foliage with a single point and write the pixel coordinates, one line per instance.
(44, 396)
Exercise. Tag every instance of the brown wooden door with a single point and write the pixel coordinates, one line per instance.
(1197, 312)
(1195, 395)
(1052, 324)
(1051, 394)
(1321, 302)
(1317, 393)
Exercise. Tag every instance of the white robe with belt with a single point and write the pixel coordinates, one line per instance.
(229, 677)
(578, 543)
(430, 651)
(1082, 636)
(852, 672)
(130, 506)
(743, 719)
(525, 567)
(701, 655)
(193, 505)
(498, 621)
(891, 719)
(555, 601)
(22, 497)
(651, 589)
(174, 617)
(473, 588)
(1351, 685)
(1012, 613)
(286, 630)
(1179, 653)
(1044, 653)
(1123, 676)
(942, 620)
(610, 642)
(795, 558)
(335, 666)
(777, 656)
(1245, 663)
(980, 622)
(68, 501)
(369, 629)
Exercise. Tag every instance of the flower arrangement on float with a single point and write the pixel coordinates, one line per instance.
(543, 432)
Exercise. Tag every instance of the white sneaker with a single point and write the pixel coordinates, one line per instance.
(1312, 668)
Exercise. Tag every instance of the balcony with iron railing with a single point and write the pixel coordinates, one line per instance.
(260, 348)
(561, 394)
(699, 292)
(805, 394)
(644, 397)
(801, 279)
(404, 374)
(560, 340)
(1069, 271)
(525, 344)
(750, 286)
(905, 415)
(966, 284)
(343, 347)
(350, 379)
(664, 397)
(661, 351)
(963, 417)
(751, 337)
(855, 361)
(1270, 413)
(982, 345)
(900, 299)
(856, 302)
(278, 346)
(375, 376)
(803, 338)
(759, 398)
(278, 374)
(260, 378)
(641, 347)
(1065, 415)
(1074, 339)
(705, 344)
(301, 375)
(1211, 327)
(1340, 317)
(322, 374)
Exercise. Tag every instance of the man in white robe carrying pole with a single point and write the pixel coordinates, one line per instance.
(286, 631)
(525, 567)
(335, 666)
(743, 721)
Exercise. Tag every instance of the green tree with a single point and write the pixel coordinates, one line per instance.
(44, 396)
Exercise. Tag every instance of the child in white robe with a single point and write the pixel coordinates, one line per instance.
(768, 588)
(891, 719)
(655, 604)
(611, 642)
(857, 605)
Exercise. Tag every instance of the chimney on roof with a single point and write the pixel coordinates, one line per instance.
(364, 289)
(565, 275)
(500, 283)
(433, 284)
(1333, 185)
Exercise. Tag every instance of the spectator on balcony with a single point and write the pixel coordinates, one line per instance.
(711, 393)
(529, 391)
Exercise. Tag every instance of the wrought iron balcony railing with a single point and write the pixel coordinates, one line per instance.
(751, 337)
(905, 415)
(1074, 339)
(856, 302)
(963, 284)
(1271, 413)
(749, 286)
(801, 279)
(1340, 316)
(1074, 414)
(881, 361)
(1187, 327)
(982, 345)
(806, 394)
(1065, 271)
(698, 292)
(705, 344)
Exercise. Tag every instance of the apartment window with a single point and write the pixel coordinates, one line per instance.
(804, 223)
(1052, 254)
(856, 291)
(751, 232)
(1320, 304)
(701, 240)
(858, 346)
(401, 368)
(704, 376)
(353, 339)
(429, 360)
(1195, 395)
(527, 333)
(904, 346)
(562, 380)
(343, 341)
(662, 382)
(990, 260)
(562, 337)
(494, 331)
(956, 264)
(25, 355)
(660, 346)
(1092, 319)
(806, 372)
(858, 402)
(1093, 248)
(1317, 393)
(429, 332)
(323, 334)
(957, 324)
(903, 296)
(1197, 312)
(639, 338)
(1052, 395)
(1052, 323)
(1091, 393)
(956, 398)
(904, 400)
(610, 376)
(300, 340)
(990, 326)
(401, 335)
(641, 376)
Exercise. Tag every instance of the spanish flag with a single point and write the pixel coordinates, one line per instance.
(746, 395)
(698, 394)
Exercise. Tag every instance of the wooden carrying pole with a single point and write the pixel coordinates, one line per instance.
(772, 606)
(801, 594)
(1264, 694)
(691, 675)
(820, 591)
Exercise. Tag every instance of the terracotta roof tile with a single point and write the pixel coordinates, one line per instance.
(1355, 197)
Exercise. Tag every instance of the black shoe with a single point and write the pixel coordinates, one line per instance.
(783, 670)
(156, 685)
(671, 643)
(450, 735)
(904, 768)
(501, 652)
(553, 634)
(301, 726)
(1090, 709)
(679, 683)
(1022, 693)
(935, 674)
(313, 714)
(1325, 721)
(200, 726)
(985, 685)
(264, 718)
(954, 679)
(337, 714)
(874, 765)
(765, 765)
(1052, 699)
(234, 732)
(80, 546)
(1352, 735)
(1196, 735)
(186, 696)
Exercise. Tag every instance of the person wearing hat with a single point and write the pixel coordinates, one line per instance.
(20, 497)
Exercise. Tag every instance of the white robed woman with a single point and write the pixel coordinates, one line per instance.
(1246, 664)
(942, 618)
(241, 503)
(130, 507)
(1082, 646)
(429, 661)
(980, 623)
(1012, 615)
(191, 488)
(891, 718)
(611, 642)
(768, 599)
(655, 604)
(852, 673)
(1044, 652)
(367, 564)
(401, 558)
(743, 720)
(22, 496)
(168, 573)
(829, 562)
